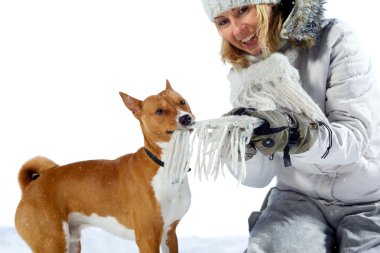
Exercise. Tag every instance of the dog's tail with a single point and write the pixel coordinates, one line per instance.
(32, 169)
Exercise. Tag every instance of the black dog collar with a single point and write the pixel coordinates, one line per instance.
(154, 158)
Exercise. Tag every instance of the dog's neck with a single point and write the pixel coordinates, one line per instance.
(154, 158)
(156, 150)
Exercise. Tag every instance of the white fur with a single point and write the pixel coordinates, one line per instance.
(72, 238)
(67, 235)
(78, 221)
(174, 198)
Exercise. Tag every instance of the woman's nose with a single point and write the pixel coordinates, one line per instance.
(237, 28)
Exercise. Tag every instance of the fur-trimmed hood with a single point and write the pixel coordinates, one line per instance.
(303, 23)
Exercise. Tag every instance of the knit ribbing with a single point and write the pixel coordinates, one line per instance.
(215, 7)
(273, 84)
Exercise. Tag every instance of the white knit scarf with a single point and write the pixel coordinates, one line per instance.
(269, 84)
(221, 141)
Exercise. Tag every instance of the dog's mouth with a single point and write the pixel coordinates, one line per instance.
(182, 129)
(187, 128)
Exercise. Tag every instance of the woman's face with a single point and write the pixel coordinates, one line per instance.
(239, 26)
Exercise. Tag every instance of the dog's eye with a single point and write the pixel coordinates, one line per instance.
(182, 102)
(159, 112)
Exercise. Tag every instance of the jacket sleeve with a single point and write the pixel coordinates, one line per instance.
(349, 103)
(260, 171)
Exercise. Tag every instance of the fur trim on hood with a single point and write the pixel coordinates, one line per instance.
(303, 23)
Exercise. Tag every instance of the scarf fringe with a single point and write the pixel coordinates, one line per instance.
(220, 142)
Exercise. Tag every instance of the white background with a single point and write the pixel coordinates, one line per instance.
(62, 64)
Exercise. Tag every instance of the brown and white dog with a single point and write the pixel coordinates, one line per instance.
(128, 197)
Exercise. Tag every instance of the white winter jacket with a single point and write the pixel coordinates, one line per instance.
(337, 74)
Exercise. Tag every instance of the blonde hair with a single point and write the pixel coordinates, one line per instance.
(270, 25)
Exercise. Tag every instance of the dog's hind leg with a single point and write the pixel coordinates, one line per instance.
(46, 239)
(74, 234)
(75, 247)
(43, 231)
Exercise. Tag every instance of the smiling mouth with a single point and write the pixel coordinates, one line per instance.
(249, 38)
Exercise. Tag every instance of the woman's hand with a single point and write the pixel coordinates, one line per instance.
(284, 129)
(289, 132)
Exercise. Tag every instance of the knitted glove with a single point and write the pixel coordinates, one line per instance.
(289, 132)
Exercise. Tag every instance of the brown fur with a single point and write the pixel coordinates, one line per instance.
(120, 188)
(32, 169)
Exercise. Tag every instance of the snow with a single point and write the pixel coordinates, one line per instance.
(96, 241)
(60, 79)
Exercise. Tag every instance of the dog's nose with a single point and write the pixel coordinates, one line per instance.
(185, 120)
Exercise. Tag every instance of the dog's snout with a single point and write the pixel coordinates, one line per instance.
(185, 120)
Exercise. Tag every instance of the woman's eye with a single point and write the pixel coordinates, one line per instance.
(159, 112)
(222, 22)
(243, 10)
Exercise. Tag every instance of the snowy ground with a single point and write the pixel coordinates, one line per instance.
(97, 241)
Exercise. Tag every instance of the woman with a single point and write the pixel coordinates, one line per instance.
(327, 196)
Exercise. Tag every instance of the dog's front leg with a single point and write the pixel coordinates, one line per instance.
(148, 246)
(169, 242)
(148, 239)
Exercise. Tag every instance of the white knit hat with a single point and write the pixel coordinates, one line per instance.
(215, 7)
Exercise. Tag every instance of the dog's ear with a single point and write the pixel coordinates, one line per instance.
(133, 104)
(168, 86)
